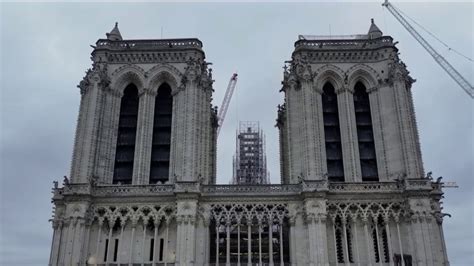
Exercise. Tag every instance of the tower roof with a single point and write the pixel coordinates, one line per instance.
(114, 35)
(374, 31)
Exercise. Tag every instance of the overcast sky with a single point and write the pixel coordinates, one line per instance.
(45, 51)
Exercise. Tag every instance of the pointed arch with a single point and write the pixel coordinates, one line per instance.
(161, 141)
(331, 74)
(126, 136)
(365, 133)
(126, 76)
(162, 73)
(362, 73)
(332, 133)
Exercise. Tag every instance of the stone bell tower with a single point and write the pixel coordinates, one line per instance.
(348, 132)
(348, 111)
(145, 138)
(145, 113)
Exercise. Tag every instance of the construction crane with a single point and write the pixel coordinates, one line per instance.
(460, 80)
(226, 101)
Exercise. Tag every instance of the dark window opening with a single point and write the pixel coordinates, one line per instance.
(397, 259)
(152, 247)
(265, 232)
(124, 155)
(365, 135)
(162, 242)
(161, 143)
(332, 134)
(380, 241)
(116, 249)
(340, 245)
(106, 249)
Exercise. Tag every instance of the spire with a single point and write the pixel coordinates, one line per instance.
(374, 31)
(114, 35)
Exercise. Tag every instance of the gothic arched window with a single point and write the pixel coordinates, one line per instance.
(160, 152)
(365, 135)
(127, 130)
(332, 134)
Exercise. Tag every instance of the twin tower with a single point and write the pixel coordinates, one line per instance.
(142, 188)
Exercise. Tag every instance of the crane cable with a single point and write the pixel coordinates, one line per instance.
(434, 36)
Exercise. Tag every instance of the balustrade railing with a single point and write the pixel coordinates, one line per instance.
(148, 44)
(269, 189)
(338, 44)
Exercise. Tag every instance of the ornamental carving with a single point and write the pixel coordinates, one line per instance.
(98, 74)
(397, 71)
(113, 214)
(367, 210)
(302, 69)
(193, 69)
(249, 212)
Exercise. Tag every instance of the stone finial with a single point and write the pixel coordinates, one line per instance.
(114, 35)
(374, 31)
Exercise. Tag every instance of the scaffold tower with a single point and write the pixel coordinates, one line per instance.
(250, 161)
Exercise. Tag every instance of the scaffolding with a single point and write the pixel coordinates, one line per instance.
(250, 161)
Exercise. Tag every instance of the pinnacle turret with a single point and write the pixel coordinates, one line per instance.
(374, 31)
(114, 35)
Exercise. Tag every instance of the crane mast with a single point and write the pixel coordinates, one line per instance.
(460, 80)
(226, 101)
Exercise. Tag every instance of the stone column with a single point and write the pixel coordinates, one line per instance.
(56, 242)
(313, 247)
(295, 134)
(424, 222)
(144, 138)
(322, 230)
(400, 246)
(417, 236)
(349, 141)
(345, 237)
(379, 138)
(408, 130)
(292, 238)
(370, 257)
(186, 217)
(79, 236)
(87, 131)
(179, 240)
(311, 138)
(389, 239)
(110, 139)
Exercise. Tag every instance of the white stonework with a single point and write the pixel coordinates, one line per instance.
(306, 220)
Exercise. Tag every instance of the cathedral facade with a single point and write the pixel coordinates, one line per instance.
(142, 188)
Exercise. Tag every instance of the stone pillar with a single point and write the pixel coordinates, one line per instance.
(144, 138)
(349, 141)
(379, 138)
(79, 236)
(110, 127)
(186, 217)
(417, 236)
(322, 239)
(408, 130)
(370, 256)
(312, 138)
(316, 233)
(292, 239)
(190, 121)
(312, 235)
(202, 240)
(56, 242)
(295, 134)
(424, 224)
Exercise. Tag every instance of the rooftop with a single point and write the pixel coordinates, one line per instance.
(115, 42)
